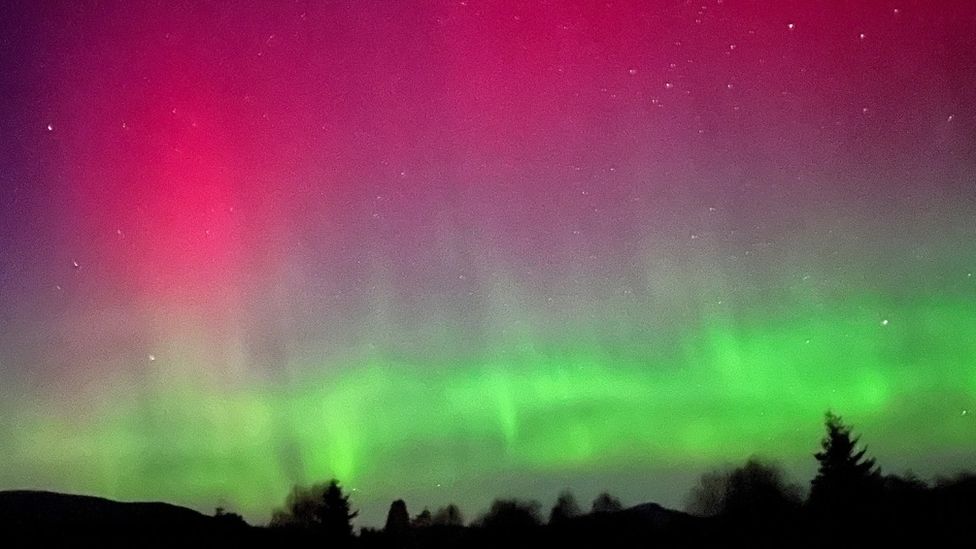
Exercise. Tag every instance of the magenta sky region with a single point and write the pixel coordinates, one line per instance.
(249, 244)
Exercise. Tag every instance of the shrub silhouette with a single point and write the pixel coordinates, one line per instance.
(322, 507)
(605, 503)
(511, 515)
(229, 520)
(450, 515)
(755, 491)
(422, 520)
(707, 498)
(564, 509)
(759, 491)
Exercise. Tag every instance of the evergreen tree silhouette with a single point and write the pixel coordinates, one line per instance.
(335, 513)
(847, 480)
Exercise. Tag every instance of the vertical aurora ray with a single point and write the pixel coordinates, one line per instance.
(594, 246)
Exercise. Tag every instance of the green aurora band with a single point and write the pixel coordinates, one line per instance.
(727, 390)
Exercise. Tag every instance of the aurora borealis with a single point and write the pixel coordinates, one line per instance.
(447, 251)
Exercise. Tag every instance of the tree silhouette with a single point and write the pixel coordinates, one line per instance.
(707, 498)
(756, 490)
(448, 516)
(228, 519)
(605, 503)
(423, 519)
(846, 478)
(752, 504)
(759, 491)
(511, 515)
(564, 509)
(335, 512)
(322, 507)
(299, 511)
(397, 520)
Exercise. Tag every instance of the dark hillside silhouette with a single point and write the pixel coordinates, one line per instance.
(643, 525)
(39, 514)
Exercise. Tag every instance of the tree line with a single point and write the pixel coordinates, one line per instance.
(849, 500)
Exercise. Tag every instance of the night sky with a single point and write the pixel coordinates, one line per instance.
(448, 251)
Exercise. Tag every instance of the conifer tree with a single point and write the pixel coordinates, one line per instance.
(846, 477)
